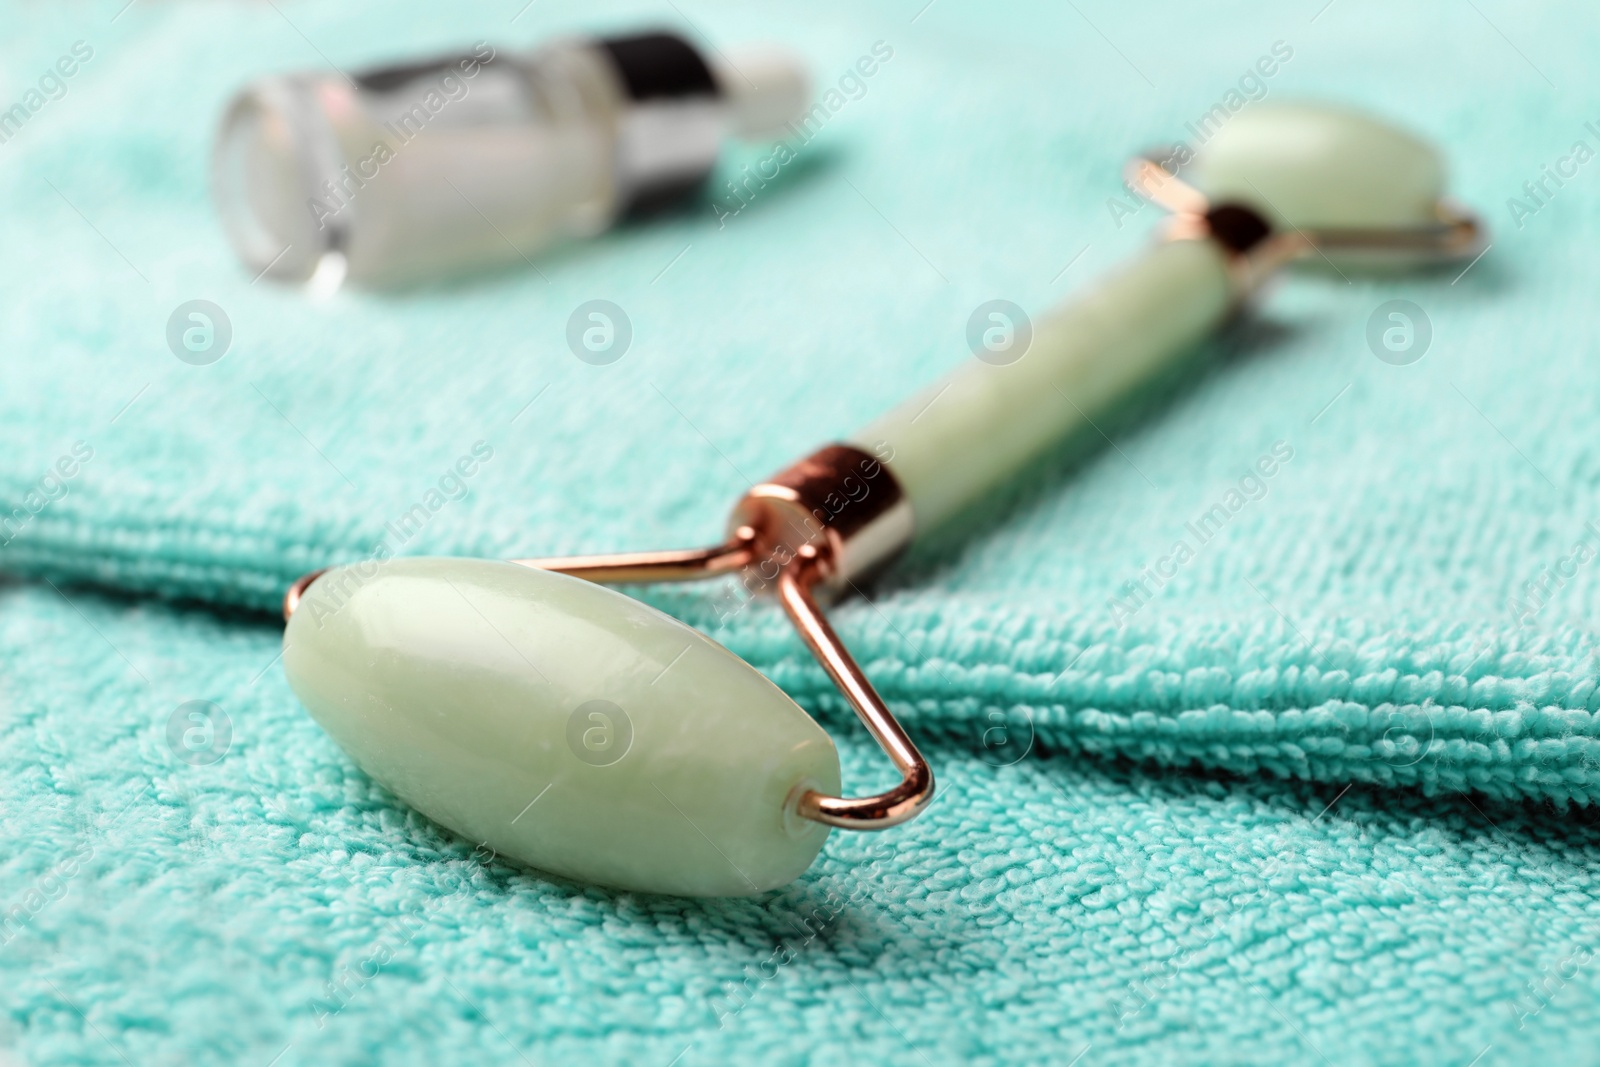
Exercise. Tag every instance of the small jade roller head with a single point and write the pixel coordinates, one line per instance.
(1319, 166)
(1333, 184)
(423, 170)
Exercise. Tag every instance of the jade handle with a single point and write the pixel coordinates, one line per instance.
(973, 430)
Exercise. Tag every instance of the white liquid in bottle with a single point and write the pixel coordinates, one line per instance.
(433, 169)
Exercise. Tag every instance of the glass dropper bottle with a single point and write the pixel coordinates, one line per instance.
(426, 170)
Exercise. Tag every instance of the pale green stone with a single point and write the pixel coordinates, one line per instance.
(971, 431)
(466, 686)
(1308, 166)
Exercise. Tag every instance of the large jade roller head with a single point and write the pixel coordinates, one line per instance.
(576, 730)
(573, 729)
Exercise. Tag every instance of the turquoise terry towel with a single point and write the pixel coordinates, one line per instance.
(1385, 649)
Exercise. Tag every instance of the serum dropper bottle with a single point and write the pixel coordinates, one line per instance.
(427, 170)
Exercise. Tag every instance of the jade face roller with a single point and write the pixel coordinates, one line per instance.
(578, 731)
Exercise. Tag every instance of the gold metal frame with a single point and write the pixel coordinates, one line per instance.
(834, 516)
